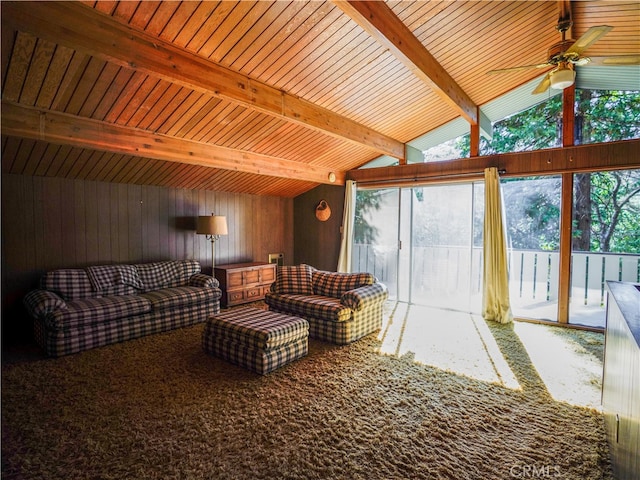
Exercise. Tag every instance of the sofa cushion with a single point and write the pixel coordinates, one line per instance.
(294, 280)
(189, 268)
(159, 275)
(181, 296)
(334, 284)
(316, 306)
(95, 310)
(173, 273)
(75, 283)
(69, 283)
(106, 277)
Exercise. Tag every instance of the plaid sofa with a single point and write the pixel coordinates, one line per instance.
(340, 307)
(77, 309)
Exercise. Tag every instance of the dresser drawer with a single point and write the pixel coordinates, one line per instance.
(251, 294)
(235, 297)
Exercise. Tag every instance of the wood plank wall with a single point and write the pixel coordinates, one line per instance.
(52, 223)
(317, 243)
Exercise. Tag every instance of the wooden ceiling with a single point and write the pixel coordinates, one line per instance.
(264, 97)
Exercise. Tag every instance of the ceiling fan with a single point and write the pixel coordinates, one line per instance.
(567, 54)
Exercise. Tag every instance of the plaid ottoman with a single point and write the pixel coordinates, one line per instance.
(256, 339)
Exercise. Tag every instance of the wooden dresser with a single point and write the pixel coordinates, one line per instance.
(244, 282)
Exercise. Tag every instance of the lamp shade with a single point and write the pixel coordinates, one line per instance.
(562, 78)
(212, 225)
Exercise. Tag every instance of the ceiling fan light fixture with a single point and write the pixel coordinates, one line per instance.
(562, 78)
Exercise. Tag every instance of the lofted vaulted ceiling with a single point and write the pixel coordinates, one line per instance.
(263, 97)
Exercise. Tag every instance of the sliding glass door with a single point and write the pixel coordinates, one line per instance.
(425, 242)
(532, 211)
(375, 244)
(439, 230)
(444, 263)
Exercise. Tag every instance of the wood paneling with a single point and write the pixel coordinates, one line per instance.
(379, 21)
(318, 243)
(109, 40)
(52, 223)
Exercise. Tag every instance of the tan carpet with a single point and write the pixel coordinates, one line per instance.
(159, 407)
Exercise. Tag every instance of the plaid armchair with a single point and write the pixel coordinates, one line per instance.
(81, 308)
(340, 307)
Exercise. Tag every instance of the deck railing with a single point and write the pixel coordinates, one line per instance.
(533, 274)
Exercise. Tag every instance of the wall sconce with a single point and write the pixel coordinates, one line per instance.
(212, 226)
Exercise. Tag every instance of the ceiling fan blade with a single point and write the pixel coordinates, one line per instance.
(522, 67)
(590, 37)
(544, 85)
(616, 60)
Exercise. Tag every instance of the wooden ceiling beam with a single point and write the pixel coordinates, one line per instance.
(379, 21)
(554, 161)
(85, 29)
(65, 129)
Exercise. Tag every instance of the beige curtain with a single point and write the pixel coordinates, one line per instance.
(496, 305)
(348, 216)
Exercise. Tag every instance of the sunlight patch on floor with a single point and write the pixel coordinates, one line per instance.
(452, 341)
(570, 373)
(569, 364)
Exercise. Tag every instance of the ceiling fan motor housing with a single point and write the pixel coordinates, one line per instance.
(556, 52)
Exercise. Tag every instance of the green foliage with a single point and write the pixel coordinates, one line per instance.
(532, 208)
(367, 201)
(613, 207)
(607, 116)
(601, 116)
(535, 129)
(616, 211)
(533, 212)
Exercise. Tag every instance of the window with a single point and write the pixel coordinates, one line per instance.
(606, 116)
(449, 150)
(605, 240)
(443, 222)
(440, 264)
